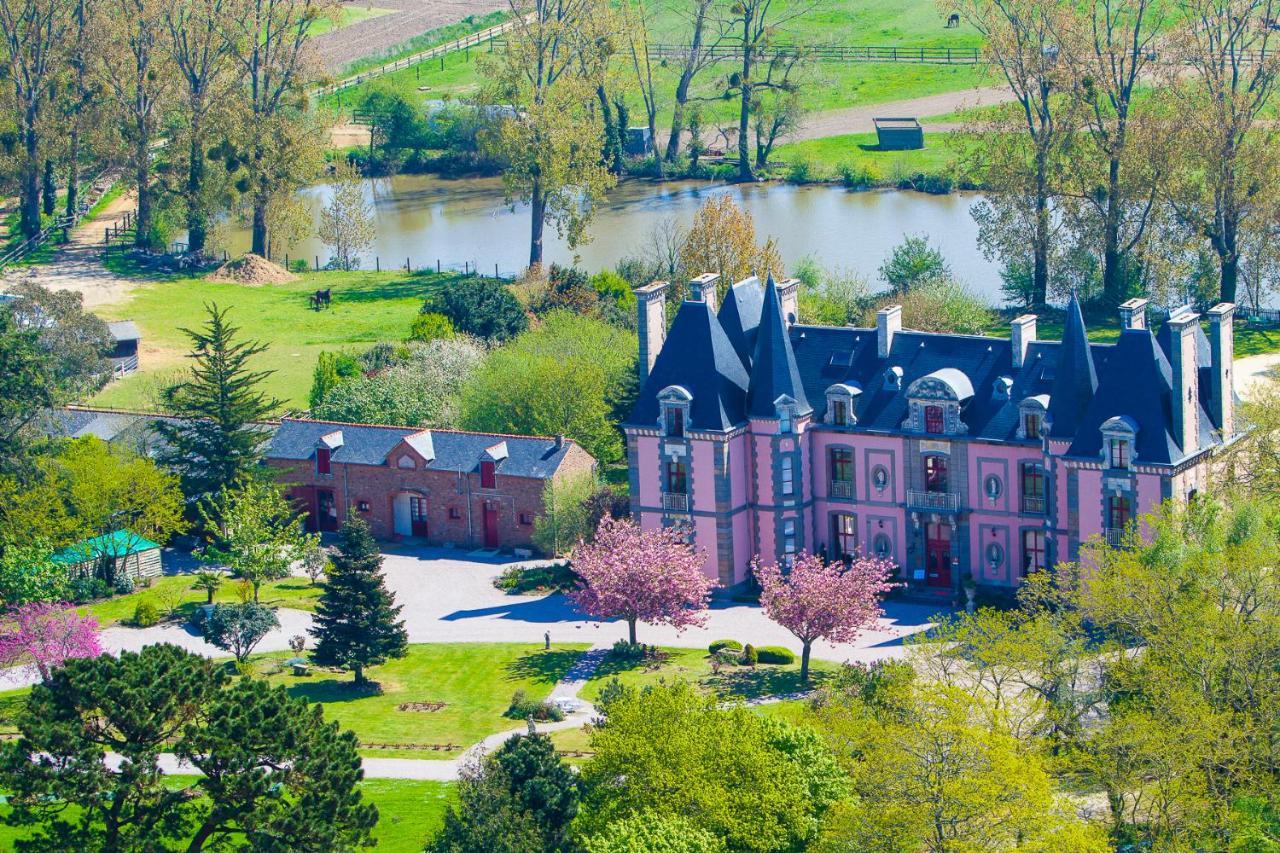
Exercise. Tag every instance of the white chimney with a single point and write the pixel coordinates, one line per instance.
(703, 289)
(651, 310)
(1024, 334)
(1222, 351)
(789, 296)
(1133, 314)
(888, 324)
(1186, 380)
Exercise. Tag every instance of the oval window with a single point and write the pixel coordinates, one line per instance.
(882, 546)
(992, 487)
(880, 478)
(995, 555)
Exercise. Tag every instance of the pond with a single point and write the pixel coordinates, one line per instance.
(426, 219)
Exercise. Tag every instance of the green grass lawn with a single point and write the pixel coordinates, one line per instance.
(425, 41)
(367, 307)
(1250, 338)
(410, 813)
(475, 682)
(825, 158)
(733, 682)
(298, 593)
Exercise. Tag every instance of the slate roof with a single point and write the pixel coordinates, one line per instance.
(699, 357)
(773, 366)
(740, 316)
(1085, 383)
(362, 444)
(124, 330)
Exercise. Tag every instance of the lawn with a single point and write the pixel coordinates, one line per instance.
(425, 41)
(1250, 338)
(410, 812)
(860, 152)
(693, 665)
(175, 590)
(368, 307)
(473, 681)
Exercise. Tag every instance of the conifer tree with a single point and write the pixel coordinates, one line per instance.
(214, 440)
(355, 623)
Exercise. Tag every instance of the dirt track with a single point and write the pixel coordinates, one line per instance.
(410, 18)
(859, 119)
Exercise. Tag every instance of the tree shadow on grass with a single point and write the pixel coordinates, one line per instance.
(760, 681)
(329, 690)
(543, 666)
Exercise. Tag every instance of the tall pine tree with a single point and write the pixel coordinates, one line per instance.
(355, 623)
(214, 439)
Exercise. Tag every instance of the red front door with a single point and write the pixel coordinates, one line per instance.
(418, 515)
(326, 510)
(490, 526)
(937, 554)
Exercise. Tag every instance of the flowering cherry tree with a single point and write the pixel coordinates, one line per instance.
(818, 600)
(639, 575)
(42, 635)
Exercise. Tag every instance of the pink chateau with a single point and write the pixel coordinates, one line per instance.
(953, 455)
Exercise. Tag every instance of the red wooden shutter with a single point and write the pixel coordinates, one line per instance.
(488, 476)
(322, 460)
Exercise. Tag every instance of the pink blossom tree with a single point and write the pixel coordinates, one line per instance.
(818, 600)
(650, 576)
(43, 636)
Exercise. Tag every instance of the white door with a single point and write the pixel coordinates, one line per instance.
(403, 521)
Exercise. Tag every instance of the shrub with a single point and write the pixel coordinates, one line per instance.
(124, 585)
(858, 176)
(731, 645)
(145, 614)
(624, 651)
(481, 307)
(775, 654)
(613, 691)
(84, 589)
(803, 172)
(298, 265)
(429, 326)
(524, 708)
(749, 655)
(555, 577)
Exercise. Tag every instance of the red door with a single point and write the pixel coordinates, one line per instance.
(938, 554)
(326, 510)
(490, 526)
(418, 515)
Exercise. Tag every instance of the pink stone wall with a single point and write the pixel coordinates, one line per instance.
(649, 467)
(1090, 502)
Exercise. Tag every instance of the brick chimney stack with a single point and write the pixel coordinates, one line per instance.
(1133, 314)
(789, 296)
(651, 310)
(1222, 351)
(888, 324)
(1186, 380)
(703, 289)
(1024, 334)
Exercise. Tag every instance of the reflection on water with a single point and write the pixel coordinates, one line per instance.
(425, 219)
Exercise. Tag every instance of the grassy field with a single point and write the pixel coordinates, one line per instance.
(824, 159)
(175, 590)
(410, 813)
(425, 41)
(367, 307)
(474, 681)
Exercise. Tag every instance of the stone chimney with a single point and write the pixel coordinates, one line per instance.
(888, 324)
(1221, 352)
(789, 296)
(1024, 334)
(651, 309)
(703, 289)
(1186, 380)
(1133, 314)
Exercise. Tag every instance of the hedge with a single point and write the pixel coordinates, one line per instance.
(731, 645)
(775, 654)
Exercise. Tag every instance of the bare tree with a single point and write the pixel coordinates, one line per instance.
(705, 35)
(1228, 156)
(779, 108)
(635, 28)
(346, 223)
(34, 33)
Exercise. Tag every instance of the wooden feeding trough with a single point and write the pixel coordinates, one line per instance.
(899, 134)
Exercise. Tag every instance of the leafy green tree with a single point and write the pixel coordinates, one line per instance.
(670, 751)
(429, 326)
(254, 530)
(565, 516)
(272, 769)
(238, 628)
(523, 786)
(482, 307)
(355, 623)
(214, 439)
(913, 262)
(27, 574)
(331, 370)
(572, 376)
(939, 305)
(653, 833)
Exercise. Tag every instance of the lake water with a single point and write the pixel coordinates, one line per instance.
(427, 219)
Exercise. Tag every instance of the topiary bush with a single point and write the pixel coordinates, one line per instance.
(775, 654)
(145, 614)
(731, 645)
(749, 655)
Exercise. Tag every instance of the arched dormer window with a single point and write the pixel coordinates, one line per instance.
(1031, 417)
(1118, 435)
(786, 409)
(674, 402)
(1002, 388)
(934, 402)
(842, 400)
(893, 378)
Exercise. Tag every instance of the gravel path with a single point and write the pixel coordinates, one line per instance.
(860, 119)
(340, 47)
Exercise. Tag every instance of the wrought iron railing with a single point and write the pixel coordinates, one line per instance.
(675, 501)
(841, 489)
(933, 501)
(1033, 505)
(1115, 536)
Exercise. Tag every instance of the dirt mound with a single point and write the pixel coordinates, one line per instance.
(252, 269)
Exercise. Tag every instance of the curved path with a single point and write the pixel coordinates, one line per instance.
(860, 119)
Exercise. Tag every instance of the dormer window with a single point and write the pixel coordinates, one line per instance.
(784, 419)
(675, 422)
(893, 378)
(1031, 417)
(1031, 425)
(488, 475)
(325, 447)
(840, 404)
(933, 420)
(674, 402)
(1118, 436)
(935, 403)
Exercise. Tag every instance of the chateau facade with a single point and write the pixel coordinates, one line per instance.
(954, 456)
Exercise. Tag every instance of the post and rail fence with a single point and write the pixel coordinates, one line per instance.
(64, 222)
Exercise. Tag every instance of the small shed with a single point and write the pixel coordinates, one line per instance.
(130, 553)
(639, 142)
(125, 338)
(899, 134)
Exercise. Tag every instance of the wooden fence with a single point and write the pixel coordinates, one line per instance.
(64, 223)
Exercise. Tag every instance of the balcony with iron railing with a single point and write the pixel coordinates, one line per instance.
(925, 501)
(841, 489)
(1033, 505)
(1115, 536)
(675, 501)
